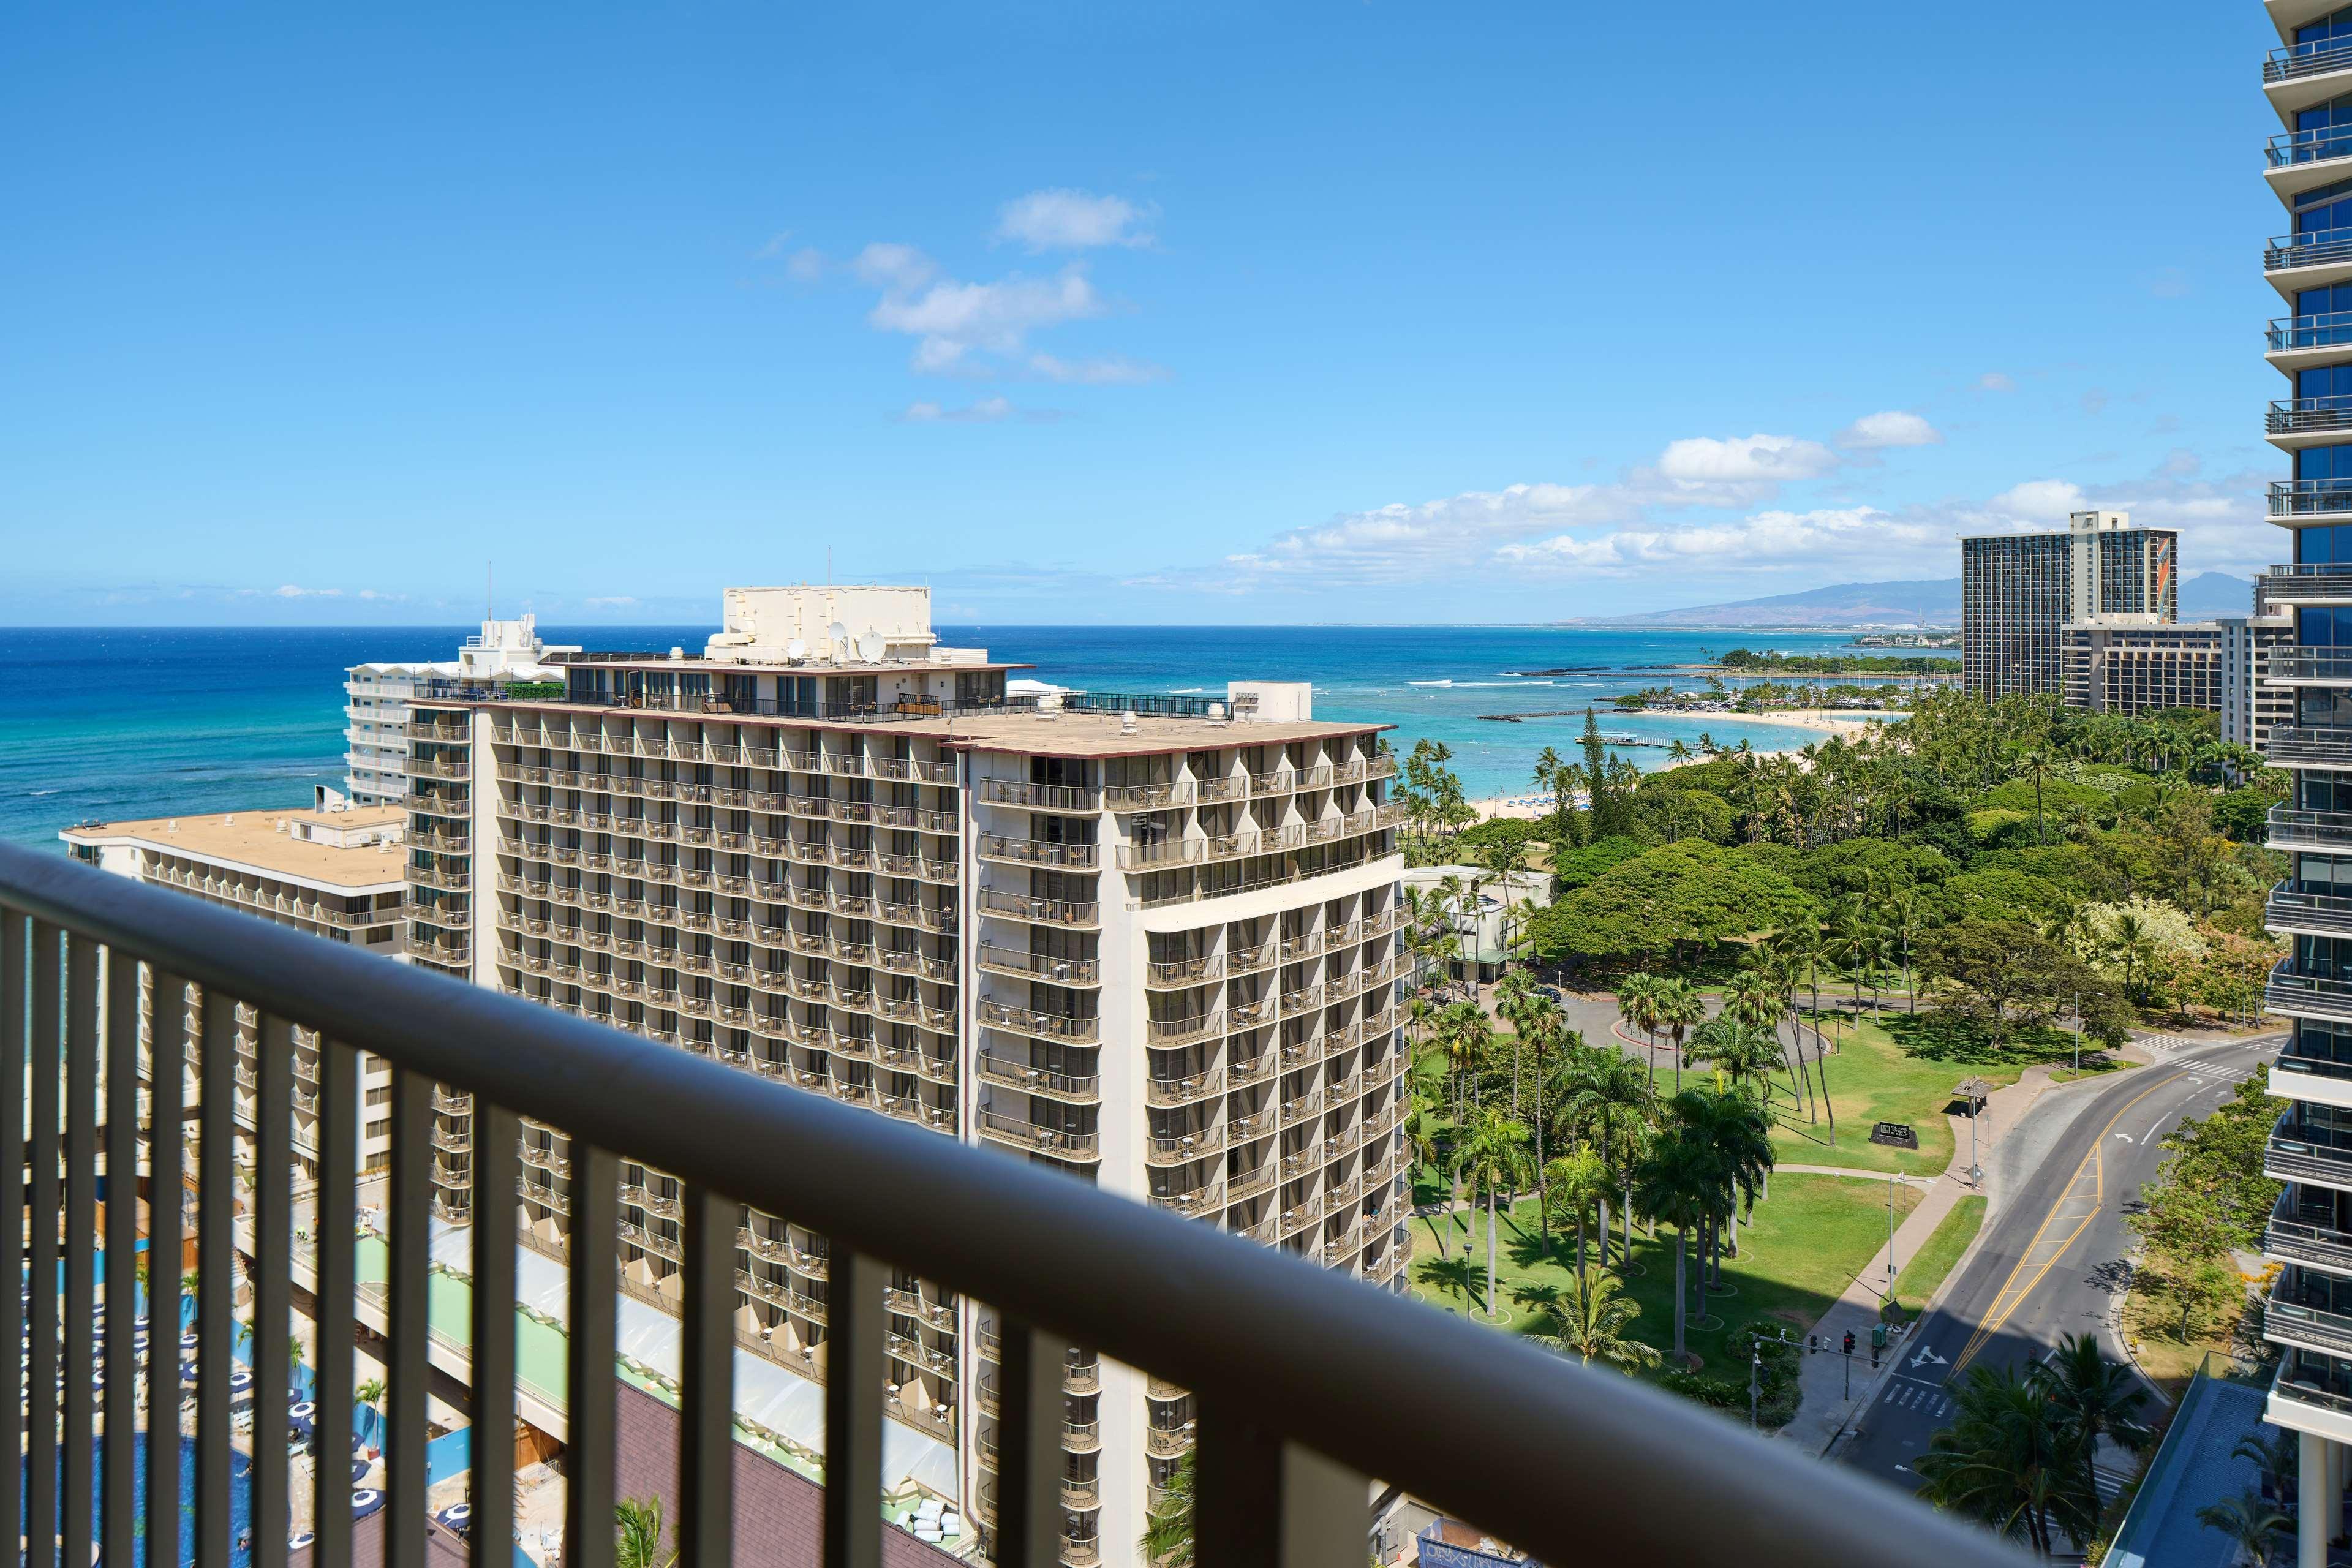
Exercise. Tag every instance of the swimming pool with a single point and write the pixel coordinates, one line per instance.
(240, 1499)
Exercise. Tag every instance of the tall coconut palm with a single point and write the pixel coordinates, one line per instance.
(1545, 1033)
(1513, 994)
(1589, 1319)
(1575, 1186)
(1614, 1105)
(1757, 999)
(1681, 1008)
(2096, 1397)
(1739, 1143)
(1493, 1153)
(1637, 1003)
(2009, 1461)
(1675, 1186)
(1745, 1054)
(637, 1532)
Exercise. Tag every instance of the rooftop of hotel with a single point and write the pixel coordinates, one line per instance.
(254, 840)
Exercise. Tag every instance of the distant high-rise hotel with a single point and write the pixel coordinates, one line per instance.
(2021, 593)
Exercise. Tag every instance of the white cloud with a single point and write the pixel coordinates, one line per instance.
(1072, 220)
(293, 591)
(1760, 541)
(890, 266)
(2040, 501)
(1994, 381)
(805, 265)
(987, 411)
(1881, 432)
(774, 247)
(1704, 460)
(610, 601)
(953, 320)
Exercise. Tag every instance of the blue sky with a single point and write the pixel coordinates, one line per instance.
(1153, 312)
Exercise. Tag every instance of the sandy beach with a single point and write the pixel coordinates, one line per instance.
(1846, 721)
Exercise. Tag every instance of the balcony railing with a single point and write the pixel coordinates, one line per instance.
(2289, 911)
(2307, 995)
(2329, 747)
(2306, 1241)
(2317, 248)
(1304, 1383)
(2307, 1153)
(2314, 146)
(2306, 60)
(2310, 498)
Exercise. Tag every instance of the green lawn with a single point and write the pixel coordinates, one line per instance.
(1806, 1245)
(1922, 1276)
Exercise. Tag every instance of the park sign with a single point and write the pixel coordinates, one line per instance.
(1896, 1134)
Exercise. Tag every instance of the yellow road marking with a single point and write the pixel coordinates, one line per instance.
(2011, 1293)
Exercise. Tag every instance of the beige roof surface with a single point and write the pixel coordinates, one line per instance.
(1082, 733)
(251, 838)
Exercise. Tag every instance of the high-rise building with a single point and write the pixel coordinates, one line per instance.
(375, 701)
(1149, 941)
(2251, 704)
(2309, 82)
(336, 873)
(2020, 592)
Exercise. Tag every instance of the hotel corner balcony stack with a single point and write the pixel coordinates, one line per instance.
(1148, 941)
(2309, 83)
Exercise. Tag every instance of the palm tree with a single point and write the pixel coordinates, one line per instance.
(2278, 1459)
(1680, 1006)
(1493, 1152)
(1745, 1054)
(638, 1526)
(1513, 994)
(1610, 1100)
(2007, 1461)
(1574, 1184)
(371, 1391)
(1167, 1538)
(1589, 1319)
(2095, 1397)
(1637, 1003)
(2252, 1525)
(1545, 1032)
(1738, 1140)
(1675, 1185)
(2035, 763)
(2133, 942)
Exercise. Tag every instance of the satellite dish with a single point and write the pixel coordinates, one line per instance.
(796, 650)
(870, 647)
(838, 635)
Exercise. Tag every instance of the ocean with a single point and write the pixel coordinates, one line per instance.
(113, 724)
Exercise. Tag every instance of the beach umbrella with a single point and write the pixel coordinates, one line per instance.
(301, 1539)
(455, 1516)
(365, 1501)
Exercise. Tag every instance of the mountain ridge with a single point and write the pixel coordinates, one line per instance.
(1901, 603)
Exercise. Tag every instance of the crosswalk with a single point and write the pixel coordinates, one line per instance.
(2110, 1483)
(1919, 1398)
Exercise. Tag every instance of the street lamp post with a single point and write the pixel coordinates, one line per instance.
(1891, 1178)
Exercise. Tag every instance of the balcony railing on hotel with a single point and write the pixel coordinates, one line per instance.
(2310, 498)
(2314, 249)
(2306, 60)
(1305, 1384)
(2312, 146)
(2288, 910)
(2307, 1153)
(2331, 746)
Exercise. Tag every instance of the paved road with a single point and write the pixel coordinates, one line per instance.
(2054, 1258)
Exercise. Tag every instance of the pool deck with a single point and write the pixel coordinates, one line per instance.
(2193, 1467)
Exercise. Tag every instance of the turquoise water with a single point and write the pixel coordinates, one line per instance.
(109, 724)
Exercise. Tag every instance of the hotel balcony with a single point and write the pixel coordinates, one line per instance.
(1310, 1381)
(2314, 1240)
(2301, 75)
(2325, 583)
(2297, 422)
(2305, 160)
(1039, 852)
(2300, 1152)
(2311, 748)
(2314, 501)
(1049, 967)
(2314, 914)
(2296, 261)
(1011, 906)
(2307, 995)
(2304, 1069)
(1074, 1088)
(1041, 797)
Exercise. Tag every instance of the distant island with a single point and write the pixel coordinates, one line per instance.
(1915, 607)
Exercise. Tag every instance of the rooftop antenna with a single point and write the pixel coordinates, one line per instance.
(489, 593)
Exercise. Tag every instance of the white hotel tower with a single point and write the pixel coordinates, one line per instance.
(2309, 83)
(1148, 941)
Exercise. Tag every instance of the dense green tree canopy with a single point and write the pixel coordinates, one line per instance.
(1677, 897)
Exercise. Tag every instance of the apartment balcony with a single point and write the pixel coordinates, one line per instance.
(2307, 1153)
(1010, 906)
(1159, 854)
(2297, 421)
(1179, 1092)
(2296, 1315)
(1273, 1354)
(1181, 1148)
(2315, 914)
(2302, 76)
(2316, 583)
(996, 847)
(1166, 1033)
(1049, 967)
(1041, 797)
(1014, 1132)
(2311, 748)
(1038, 1024)
(1074, 1088)
(2299, 1240)
(2308, 995)
(1149, 797)
(2304, 160)
(2292, 262)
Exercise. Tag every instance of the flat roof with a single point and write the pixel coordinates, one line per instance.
(705, 666)
(1028, 730)
(251, 839)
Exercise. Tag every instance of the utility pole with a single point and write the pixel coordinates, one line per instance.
(1891, 1178)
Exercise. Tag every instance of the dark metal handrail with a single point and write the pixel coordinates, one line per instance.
(1306, 1381)
(2289, 414)
(2306, 60)
(2302, 498)
(2324, 330)
(2315, 146)
(2308, 250)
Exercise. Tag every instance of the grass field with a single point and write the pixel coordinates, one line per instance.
(1922, 1276)
(1803, 1249)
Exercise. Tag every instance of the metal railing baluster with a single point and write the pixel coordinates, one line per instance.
(1266, 1503)
(167, 1058)
(339, 1076)
(76, 1500)
(706, 1463)
(16, 1032)
(41, 1419)
(1028, 1446)
(590, 1386)
(853, 1411)
(215, 1278)
(120, 1454)
(408, 1214)
(273, 1238)
(498, 1165)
